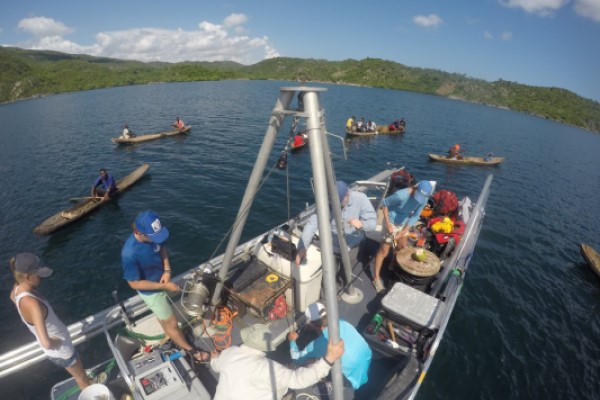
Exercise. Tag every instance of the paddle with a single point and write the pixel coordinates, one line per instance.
(74, 199)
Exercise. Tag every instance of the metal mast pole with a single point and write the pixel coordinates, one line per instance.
(317, 155)
(275, 122)
(351, 294)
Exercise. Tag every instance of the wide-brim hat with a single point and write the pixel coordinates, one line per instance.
(257, 336)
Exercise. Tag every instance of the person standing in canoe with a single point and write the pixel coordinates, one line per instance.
(178, 124)
(50, 332)
(107, 185)
(147, 270)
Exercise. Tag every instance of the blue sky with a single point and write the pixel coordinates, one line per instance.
(550, 43)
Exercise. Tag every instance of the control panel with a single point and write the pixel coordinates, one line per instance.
(157, 379)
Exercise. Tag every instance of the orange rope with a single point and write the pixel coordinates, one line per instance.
(223, 322)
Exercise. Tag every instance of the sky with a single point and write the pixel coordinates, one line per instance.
(548, 43)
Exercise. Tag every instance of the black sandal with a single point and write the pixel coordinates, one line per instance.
(198, 355)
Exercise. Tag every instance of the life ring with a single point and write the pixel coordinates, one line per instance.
(271, 278)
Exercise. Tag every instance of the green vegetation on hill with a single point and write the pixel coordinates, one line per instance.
(28, 73)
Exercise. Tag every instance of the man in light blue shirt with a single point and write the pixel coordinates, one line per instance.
(357, 357)
(401, 211)
(358, 217)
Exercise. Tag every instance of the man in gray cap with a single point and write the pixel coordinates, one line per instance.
(245, 372)
(39, 317)
(358, 217)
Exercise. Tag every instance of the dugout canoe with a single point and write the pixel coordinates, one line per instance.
(152, 136)
(355, 133)
(466, 160)
(65, 217)
(385, 129)
(592, 257)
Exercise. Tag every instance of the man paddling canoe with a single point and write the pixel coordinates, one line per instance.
(107, 185)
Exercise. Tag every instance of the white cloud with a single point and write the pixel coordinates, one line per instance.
(427, 21)
(506, 36)
(588, 9)
(210, 42)
(42, 26)
(235, 20)
(540, 7)
(488, 35)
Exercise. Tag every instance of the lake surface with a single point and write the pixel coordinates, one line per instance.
(528, 321)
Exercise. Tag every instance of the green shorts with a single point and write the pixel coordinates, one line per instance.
(159, 304)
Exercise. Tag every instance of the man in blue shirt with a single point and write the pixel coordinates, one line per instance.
(146, 268)
(107, 185)
(401, 211)
(358, 216)
(357, 355)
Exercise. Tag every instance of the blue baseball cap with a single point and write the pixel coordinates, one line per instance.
(423, 191)
(342, 189)
(148, 224)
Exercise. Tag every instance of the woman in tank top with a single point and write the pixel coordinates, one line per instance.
(39, 317)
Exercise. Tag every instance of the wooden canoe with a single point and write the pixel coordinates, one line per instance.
(385, 129)
(152, 136)
(466, 160)
(592, 257)
(72, 214)
(355, 133)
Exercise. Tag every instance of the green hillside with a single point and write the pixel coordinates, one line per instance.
(28, 73)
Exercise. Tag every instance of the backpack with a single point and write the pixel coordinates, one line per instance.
(444, 202)
(400, 180)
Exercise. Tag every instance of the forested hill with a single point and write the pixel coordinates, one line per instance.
(29, 73)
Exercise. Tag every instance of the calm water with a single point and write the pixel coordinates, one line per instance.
(527, 323)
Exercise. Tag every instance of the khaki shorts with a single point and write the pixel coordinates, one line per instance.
(159, 304)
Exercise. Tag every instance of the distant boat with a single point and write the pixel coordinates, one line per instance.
(467, 160)
(592, 257)
(385, 129)
(65, 217)
(353, 132)
(151, 136)
(298, 142)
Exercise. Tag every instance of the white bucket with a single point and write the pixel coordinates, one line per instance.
(97, 391)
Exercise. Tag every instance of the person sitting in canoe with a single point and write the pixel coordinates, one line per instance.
(371, 126)
(454, 152)
(127, 134)
(107, 185)
(178, 124)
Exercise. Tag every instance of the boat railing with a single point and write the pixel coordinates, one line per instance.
(113, 318)
(91, 326)
(452, 280)
(464, 250)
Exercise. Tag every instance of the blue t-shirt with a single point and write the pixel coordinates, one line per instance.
(403, 208)
(108, 184)
(141, 261)
(356, 358)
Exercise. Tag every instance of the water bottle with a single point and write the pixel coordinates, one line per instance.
(270, 237)
(375, 323)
